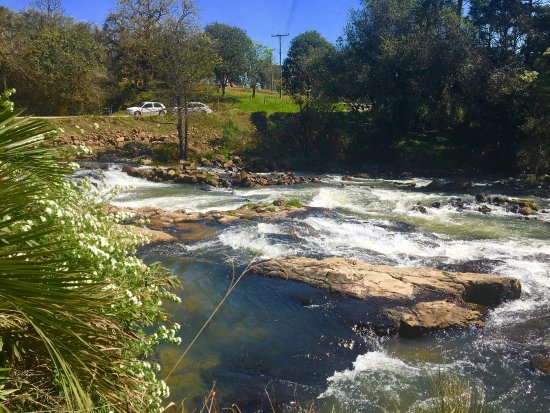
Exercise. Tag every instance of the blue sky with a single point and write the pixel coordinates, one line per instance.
(260, 18)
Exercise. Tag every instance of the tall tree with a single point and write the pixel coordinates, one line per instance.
(131, 36)
(50, 13)
(56, 68)
(233, 48)
(187, 58)
(419, 58)
(305, 70)
(259, 66)
(535, 152)
(68, 64)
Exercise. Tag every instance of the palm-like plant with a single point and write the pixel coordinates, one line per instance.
(64, 342)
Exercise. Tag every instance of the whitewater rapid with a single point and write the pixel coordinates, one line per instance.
(374, 220)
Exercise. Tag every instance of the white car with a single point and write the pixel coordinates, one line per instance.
(195, 107)
(147, 108)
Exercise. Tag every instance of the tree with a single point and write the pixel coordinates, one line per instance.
(416, 58)
(535, 151)
(69, 67)
(187, 58)
(13, 44)
(259, 66)
(305, 70)
(50, 13)
(56, 68)
(233, 48)
(131, 37)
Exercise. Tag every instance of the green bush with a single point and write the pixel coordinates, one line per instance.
(74, 298)
(231, 137)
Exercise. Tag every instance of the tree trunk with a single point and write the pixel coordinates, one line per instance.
(223, 88)
(180, 134)
(254, 90)
(459, 7)
(185, 98)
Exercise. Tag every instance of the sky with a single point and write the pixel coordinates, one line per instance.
(259, 18)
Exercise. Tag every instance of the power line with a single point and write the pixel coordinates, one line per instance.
(291, 15)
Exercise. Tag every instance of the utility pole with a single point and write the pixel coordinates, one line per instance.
(270, 66)
(280, 36)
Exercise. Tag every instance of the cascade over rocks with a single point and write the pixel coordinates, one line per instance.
(161, 220)
(416, 300)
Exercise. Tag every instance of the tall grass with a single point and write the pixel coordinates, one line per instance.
(451, 394)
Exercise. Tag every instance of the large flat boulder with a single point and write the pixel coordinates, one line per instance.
(417, 300)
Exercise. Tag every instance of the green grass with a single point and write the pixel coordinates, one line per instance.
(295, 203)
(265, 101)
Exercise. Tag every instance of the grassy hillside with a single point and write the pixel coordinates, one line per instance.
(230, 124)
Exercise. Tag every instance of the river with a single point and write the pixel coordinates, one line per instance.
(298, 344)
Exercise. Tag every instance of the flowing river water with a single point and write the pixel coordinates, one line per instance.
(298, 344)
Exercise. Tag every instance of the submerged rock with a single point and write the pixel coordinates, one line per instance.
(458, 184)
(484, 209)
(541, 363)
(525, 211)
(420, 208)
(482, 197)
(416, 300)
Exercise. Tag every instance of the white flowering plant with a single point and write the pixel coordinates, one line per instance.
(75, 301)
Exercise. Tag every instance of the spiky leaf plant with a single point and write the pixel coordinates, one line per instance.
(73, 296)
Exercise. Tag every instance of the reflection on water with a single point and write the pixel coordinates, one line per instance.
(300, 341)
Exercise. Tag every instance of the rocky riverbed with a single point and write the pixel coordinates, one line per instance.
(334, 346)
(230, 176)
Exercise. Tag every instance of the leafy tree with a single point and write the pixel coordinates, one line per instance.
(305, 70)
(49, 13)
(13, 44)
(233, 48)
(259, 66)
(186, 60)
(535, 152)
(56, 68)
(69, 67)
(131, 36)
(416, 59)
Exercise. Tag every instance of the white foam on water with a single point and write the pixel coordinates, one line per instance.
(256, 240)
(333, 236)
(116, 178)
(377, 379)
(264, 228)
(338, 198)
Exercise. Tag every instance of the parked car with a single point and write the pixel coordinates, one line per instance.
(147, 108)
(195, 107)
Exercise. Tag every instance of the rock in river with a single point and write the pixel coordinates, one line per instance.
(417, 300)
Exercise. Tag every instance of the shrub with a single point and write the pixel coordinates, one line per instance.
(231, 137)
(74, 297)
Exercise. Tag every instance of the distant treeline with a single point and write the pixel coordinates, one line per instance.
(464, 81)
(474, 74)
(60, 66)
